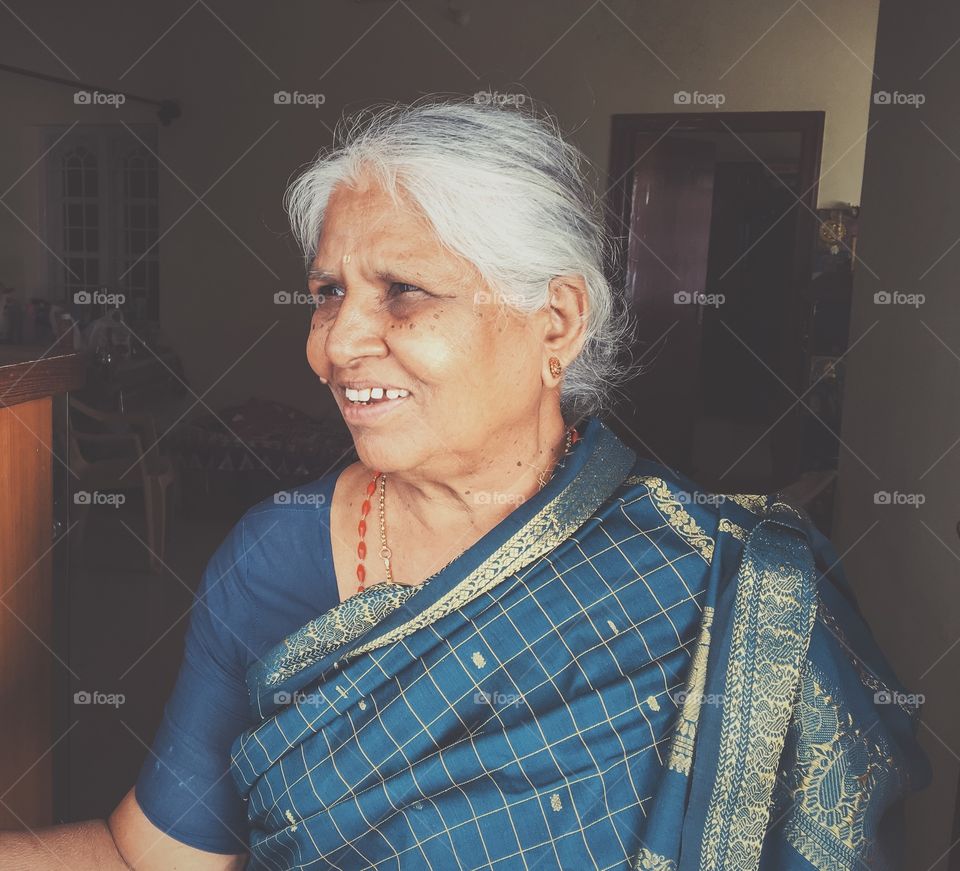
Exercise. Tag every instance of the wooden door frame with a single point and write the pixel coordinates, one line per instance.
(809, 124)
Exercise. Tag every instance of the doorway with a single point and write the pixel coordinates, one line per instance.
(714, 215)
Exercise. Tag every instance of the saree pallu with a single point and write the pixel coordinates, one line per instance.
(624, 673)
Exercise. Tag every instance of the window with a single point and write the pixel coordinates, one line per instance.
(102, 216)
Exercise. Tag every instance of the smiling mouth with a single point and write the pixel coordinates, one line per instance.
(373, 395)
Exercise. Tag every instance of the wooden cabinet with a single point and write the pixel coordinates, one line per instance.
(33, 673)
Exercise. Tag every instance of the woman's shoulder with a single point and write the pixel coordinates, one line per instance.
(287, 505)
(696, 513)
(273, 572)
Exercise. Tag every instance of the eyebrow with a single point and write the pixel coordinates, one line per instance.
(324, 275)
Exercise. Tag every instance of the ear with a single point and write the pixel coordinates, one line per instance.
(567, 309)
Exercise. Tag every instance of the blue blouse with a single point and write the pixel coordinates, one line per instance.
(269, 576)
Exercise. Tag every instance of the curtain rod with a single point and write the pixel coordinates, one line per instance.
(167, 110)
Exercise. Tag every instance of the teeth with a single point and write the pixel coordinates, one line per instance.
(365, 394)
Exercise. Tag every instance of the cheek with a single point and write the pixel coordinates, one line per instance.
(434, 357)
(470, 356)
(316, 351)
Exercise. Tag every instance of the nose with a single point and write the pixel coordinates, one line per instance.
(357, 331)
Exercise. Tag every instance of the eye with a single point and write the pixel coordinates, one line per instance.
(327, 291)
(400, 288)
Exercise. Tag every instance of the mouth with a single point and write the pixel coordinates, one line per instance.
(363, 404)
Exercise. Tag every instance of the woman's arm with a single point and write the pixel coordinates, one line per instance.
(128, 840)
(74, 845)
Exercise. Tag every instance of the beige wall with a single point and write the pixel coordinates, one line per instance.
(216, 302)
(901, 410)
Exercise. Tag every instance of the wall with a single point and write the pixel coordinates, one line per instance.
(901, 410)
(222, 260)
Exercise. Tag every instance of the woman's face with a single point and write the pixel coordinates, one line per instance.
(398, 312)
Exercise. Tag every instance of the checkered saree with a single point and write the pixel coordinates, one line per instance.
(625, 673)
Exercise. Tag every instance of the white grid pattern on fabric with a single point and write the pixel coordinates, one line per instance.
(592, 687)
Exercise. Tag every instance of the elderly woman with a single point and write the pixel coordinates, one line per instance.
(500, 640)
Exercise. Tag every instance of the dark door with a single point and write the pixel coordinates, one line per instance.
(666, 272)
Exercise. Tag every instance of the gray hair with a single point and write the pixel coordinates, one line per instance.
(503, 190)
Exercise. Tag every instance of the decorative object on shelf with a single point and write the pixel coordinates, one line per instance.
(836, 244)
(833, 233)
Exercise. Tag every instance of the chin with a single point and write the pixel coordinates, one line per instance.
(383, 451)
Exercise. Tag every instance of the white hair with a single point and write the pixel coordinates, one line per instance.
(500, 188)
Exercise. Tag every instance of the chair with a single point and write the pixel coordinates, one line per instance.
(111, 451)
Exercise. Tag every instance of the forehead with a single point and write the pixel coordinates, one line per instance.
(366, 219)
(384, 237)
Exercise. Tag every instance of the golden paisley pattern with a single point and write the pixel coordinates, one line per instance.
(650, 861)
(732, 528)
(336, 627)
(676, 515)
(671, 507)
(828, 790)
(755, 502)
(685, 735)
(774, 612)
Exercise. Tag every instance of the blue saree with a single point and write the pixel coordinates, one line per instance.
(624, 673)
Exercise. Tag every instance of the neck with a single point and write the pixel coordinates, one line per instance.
(459, 508)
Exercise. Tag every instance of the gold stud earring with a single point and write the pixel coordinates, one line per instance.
(555, 367)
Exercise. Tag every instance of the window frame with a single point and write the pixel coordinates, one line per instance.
(111, 145)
